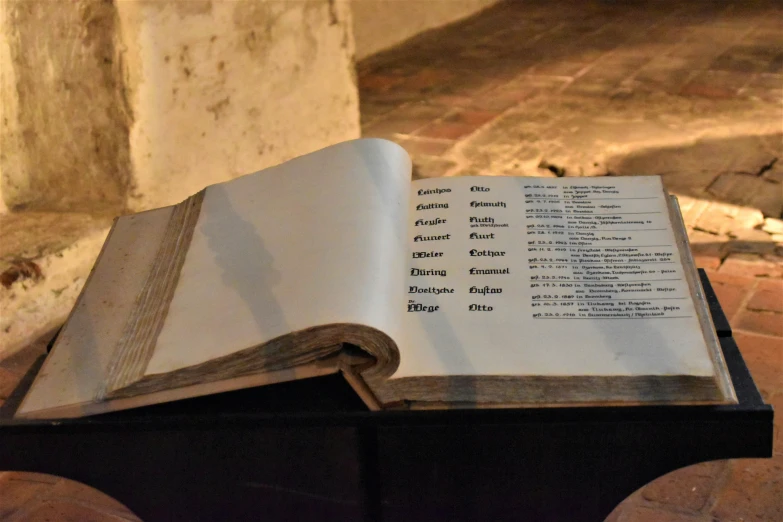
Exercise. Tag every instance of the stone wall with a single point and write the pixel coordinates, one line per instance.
(110, 106)
(65, 119)
(115, 106)
(380, 24)
(221, 89)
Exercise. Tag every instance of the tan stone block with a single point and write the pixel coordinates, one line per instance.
(747, 218)
(686, 203)
(692, 208)
(237, 88)
(716, 218)
(752, 241)
(66, 121)
(748, 190)
(32, 311)
(773, 226)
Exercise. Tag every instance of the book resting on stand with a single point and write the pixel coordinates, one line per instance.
(463, 292)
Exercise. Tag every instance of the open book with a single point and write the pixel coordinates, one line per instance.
(451, 292)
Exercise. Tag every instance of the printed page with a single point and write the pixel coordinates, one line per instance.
(315, 241)
(547, 276)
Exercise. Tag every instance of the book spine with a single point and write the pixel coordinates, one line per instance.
(137, 342)
(722, 377)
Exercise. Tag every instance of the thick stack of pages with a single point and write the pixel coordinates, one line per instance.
(451, 292)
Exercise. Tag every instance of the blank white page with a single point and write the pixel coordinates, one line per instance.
(317, 240)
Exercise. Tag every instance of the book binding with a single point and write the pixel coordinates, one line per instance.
(137, 343)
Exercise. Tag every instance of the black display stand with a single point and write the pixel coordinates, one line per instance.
(309, 450)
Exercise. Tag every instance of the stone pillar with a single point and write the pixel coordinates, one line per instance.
(225, 88)
(113, 106)
(110, 106)
(65, 121)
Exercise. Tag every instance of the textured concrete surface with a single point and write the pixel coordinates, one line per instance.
(693, 92)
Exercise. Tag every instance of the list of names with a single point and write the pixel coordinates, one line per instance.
(550, 249)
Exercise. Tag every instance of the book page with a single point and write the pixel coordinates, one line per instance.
(549, 277)
(77, 366)
(315, 241)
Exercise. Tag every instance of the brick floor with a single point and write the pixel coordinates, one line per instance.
(742, 489)
(690, 91)
(34, 497)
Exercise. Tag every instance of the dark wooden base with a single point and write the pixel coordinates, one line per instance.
(309, 450)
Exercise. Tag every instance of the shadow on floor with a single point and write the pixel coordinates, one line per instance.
(740, 170)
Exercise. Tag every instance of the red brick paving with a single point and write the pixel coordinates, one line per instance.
(648, 514)
(8, 380)
(690, 491)
(777, 403)
(34, 497)
(741, 489)
(753, 266)
(732, 290)
(16, 493)
(65, 511)
(443, 86)
(753, 491)
(768, 296)
(768, 323)
(764, 356)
